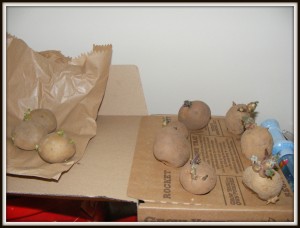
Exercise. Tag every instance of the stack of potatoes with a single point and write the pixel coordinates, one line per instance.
(37, 131)
(173, 148)
(256, 145)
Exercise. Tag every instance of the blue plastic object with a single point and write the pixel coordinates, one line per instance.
(282, 147)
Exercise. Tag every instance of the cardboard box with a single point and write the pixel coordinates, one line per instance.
(119, 165)
(162, 198)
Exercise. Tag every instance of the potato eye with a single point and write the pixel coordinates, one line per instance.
(204, 178)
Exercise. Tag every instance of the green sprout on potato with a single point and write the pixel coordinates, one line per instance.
(250, 107)
(166, 120)
(27, 115)
(265, 168)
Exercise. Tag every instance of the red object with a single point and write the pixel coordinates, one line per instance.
(283, 163)
(32, 209)
(132, 218)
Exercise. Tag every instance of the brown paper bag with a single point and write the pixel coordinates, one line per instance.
(72, 88)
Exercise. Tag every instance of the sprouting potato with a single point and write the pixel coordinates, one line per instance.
(27, 134)
(44, 117)
(197, 178)
(194, 114)
(263, 179)
(171, 147)
(233, 119)
(56, 147)
(235, 115)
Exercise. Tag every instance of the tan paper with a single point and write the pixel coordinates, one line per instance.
(73, 88)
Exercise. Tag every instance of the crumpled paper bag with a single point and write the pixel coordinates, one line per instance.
(72, 88)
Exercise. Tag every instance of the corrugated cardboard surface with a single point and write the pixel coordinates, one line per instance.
(163, 197)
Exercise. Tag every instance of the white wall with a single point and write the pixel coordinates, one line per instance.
(214, 54)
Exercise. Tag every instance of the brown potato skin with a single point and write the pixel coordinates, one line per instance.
(198, 186)
(233, 119)
(44, 117)
(180, 127)
(266, 188)
(171, 147)
(196, 116)
(54, 148)
(257, 141)
(27, 134)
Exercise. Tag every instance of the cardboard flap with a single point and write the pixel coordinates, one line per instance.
(155, 183)
(103, 172)
(124, 93)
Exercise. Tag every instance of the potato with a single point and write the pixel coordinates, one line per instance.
(266, 188)
(194, 114)
(257, 141)
(43, 116)
(179, 127)
(171, 147)
(27, 134)
(199, 178)
(56, 147)
(233, 119)
(235, 115)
